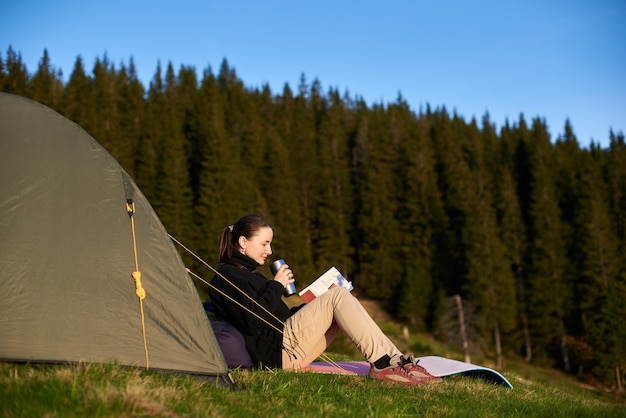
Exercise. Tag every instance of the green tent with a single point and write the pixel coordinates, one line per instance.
(74, 230)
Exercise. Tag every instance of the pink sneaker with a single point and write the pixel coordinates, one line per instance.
(418, 372)
(394, 373)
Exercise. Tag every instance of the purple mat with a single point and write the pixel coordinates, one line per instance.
(437, 366)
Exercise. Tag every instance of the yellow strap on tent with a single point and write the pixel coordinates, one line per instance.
(139, 290)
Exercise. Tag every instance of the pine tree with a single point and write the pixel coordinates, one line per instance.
(335, 194)
(298, 131)
(615, 174)
(547, 292)
(284, 192)
(616, 180)
(376, 150)
(420, 210)
(146, 157)
(105, 125)
(173, 195)
(45, 86)
(600, 284)
(567, 154)
(454, 178)
(244, 127)
(216, 167)
(14, 77)
(78, 102)
(131, 113)
(513, 233)
(259, 139)
(516, 218)
(490, 285)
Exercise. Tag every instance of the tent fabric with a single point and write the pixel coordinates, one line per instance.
(66, 256)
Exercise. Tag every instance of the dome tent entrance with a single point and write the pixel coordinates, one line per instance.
(67, 257)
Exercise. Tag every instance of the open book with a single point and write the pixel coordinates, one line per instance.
(332, 278)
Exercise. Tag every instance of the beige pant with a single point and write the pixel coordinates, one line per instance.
(311, 330)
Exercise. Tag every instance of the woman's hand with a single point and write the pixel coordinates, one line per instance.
(284, 275)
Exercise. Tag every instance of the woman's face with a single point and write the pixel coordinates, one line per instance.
(258, 247)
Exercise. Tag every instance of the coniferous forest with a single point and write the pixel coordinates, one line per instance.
(415, 207)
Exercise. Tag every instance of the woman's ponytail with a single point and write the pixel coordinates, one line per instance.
(246, 227)
(225, 248)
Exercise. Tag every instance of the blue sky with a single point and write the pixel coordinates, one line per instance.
(548, 59)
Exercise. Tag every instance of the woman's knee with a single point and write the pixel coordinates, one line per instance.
(340, 294)
(338, 291)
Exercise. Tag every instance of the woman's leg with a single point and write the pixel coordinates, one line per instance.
(305, 332)
(298, 358)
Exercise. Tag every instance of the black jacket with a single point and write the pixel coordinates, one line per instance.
(264, 337)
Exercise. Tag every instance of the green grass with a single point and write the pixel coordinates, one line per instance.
(113, 391)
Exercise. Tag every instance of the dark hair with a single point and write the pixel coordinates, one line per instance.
(245, 226)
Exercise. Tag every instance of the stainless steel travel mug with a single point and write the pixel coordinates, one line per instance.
(291, 287)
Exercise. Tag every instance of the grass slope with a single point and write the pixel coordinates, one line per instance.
(113, 391)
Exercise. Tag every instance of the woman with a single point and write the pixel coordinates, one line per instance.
(279, 337)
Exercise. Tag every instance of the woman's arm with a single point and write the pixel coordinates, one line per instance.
(255, 297)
